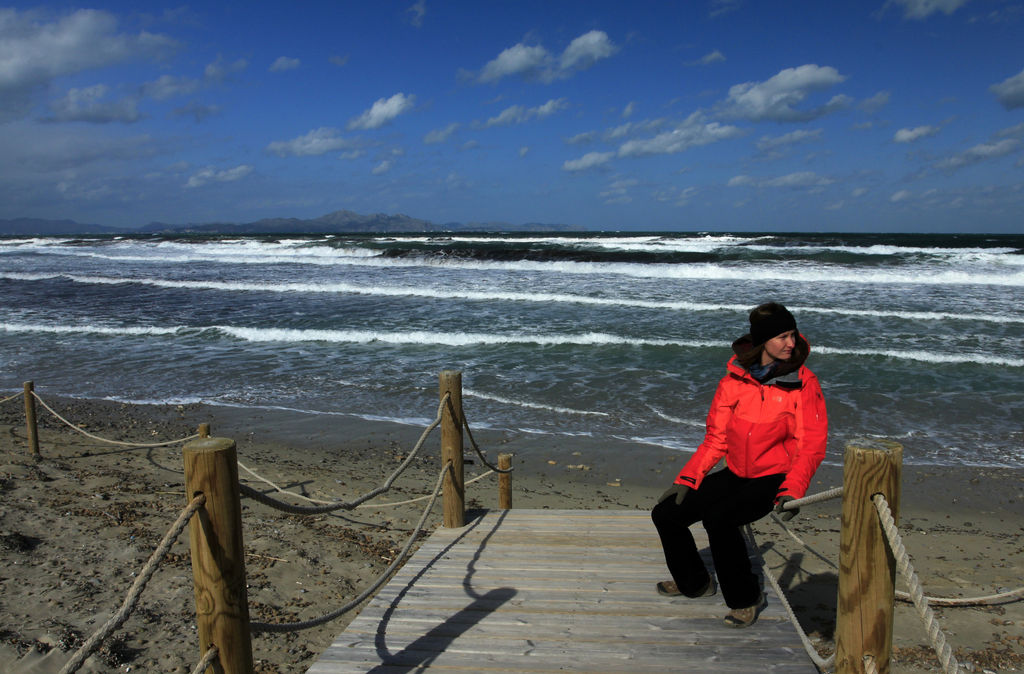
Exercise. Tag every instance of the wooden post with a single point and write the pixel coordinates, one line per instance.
(867, 568)
(454, 494)
(504, 482)
(218, 560)
(204, 430)
(31, 425)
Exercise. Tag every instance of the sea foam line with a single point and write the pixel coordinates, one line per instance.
(536, 406)
(704, 271)
(424, 338)
(491, 296)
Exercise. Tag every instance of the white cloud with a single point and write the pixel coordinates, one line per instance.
(922, 9)
(1010, 91)
(980, 153)
(209, 175)
(340, 61)
(383, 111)
(168, 86)
(899, 196)
(618, 191)
(524, 150)
(535, 62)
(86, 105)
(551, 107)
(284, 63)
(316, 142)
(918, 132)
(35, 50)
(417, 11)
(768, 143)
(628, 110)
(775, 98)
(441, 135)
(586, 50)
(517, 114)
(588, 161)
(581, 138)
(1012, 131)
(799, 180)
(382, 168)
(709, 58)
(516, 60)
(693, 132)
(875, 103)
(221, 71)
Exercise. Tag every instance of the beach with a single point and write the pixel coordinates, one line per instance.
(78, 523)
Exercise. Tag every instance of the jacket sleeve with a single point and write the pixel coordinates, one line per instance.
(811, 435)
(714, 445)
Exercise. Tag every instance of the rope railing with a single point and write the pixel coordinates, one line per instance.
(479, 452)
(207, 660)
(906, 569)
(108, 441)
(258, 627)
(13, 397)
(984, 600)
(132, 598)
(812, 652)
(259, 496)
(310, 499)
(916, 595)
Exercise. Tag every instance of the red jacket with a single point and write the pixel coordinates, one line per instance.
(763, 429)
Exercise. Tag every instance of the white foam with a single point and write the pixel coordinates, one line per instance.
(490, 296)
(531, 405)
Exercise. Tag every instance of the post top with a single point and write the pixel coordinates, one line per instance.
(204, 445)
(874, 444)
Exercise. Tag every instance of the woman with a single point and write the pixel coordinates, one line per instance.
(768, 420)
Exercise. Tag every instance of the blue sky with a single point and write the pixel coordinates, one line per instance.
(871, 115)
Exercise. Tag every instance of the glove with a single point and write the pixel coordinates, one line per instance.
(678, 490)
(785, 515)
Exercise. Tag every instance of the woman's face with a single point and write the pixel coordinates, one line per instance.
(779, 347)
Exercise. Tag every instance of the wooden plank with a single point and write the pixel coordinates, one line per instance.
(552, 590)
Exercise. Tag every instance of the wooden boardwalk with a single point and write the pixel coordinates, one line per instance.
(548, 591)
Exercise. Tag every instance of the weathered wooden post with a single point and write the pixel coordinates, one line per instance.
(867, 568)
(31, 425)
(504, 482)
(454, 486)
(218, 560)
(204, 430)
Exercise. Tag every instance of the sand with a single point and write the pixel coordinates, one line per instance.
(78, 523)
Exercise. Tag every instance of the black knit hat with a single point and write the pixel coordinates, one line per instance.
(770, 320)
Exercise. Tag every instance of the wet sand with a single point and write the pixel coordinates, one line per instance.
(77, 524)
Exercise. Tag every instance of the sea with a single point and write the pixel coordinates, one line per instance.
(615, 339)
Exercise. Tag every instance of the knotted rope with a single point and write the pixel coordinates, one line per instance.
(938, 639)
(132, 599)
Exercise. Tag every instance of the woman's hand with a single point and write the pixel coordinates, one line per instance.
(785, 515)
(678, 490)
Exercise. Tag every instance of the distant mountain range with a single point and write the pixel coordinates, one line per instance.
(338, 222)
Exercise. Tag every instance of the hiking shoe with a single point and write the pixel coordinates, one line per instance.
(745, 617)
(668, 588)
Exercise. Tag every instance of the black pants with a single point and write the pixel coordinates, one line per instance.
(723, 504)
